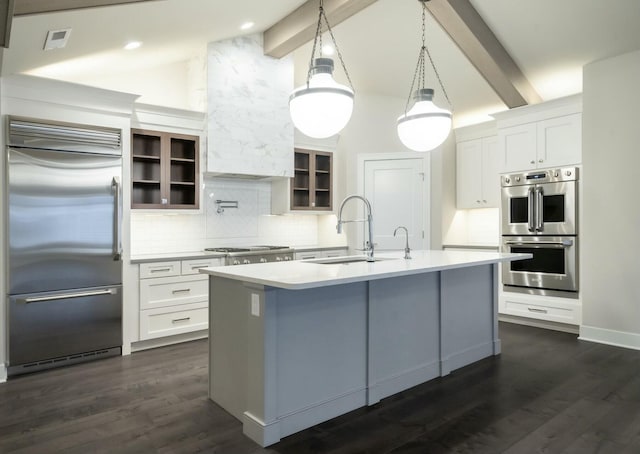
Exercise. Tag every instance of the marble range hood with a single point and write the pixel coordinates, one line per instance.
(249, 130)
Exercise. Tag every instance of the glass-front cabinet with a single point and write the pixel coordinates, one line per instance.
(164, 170)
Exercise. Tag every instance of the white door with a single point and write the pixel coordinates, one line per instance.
(396, 190)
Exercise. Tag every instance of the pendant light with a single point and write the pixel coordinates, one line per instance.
(322, 107)
(425, 126)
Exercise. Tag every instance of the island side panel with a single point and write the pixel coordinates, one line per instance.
(229, 307)
(404, 333)
(468, 316)
(321, 354)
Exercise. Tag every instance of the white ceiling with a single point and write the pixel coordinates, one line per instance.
(549, 39)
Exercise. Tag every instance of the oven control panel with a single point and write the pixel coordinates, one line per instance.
(540, 176)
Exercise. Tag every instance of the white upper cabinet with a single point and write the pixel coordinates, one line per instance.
(518, 147)
(541, 136)
(249, 129)
(559, 141)
(477, 169)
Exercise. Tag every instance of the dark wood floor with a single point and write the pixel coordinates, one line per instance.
(546, 393)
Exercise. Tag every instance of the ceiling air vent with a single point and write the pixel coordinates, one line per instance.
(57, 39)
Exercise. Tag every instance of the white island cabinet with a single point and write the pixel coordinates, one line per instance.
(292, 344)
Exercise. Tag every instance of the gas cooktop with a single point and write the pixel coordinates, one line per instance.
(254, 254)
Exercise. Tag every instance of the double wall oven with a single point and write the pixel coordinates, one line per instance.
(540, 217)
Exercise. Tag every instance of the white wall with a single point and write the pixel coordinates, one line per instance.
(610, 237)
(372, 129)
(166, 85)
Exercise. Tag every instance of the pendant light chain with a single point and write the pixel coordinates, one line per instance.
(318, 39)
(426, 49)
(423, 49)
(315, 42)
(420, 72)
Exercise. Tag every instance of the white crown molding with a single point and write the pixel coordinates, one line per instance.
(549, 109)
(160, 117)
(56, 92)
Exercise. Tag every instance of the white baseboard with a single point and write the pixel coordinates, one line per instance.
(168, 340)
(610, 337)
(544, 324)
(3, 373)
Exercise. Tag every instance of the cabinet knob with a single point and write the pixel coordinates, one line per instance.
(165, 201)
(540, 160)
(532, 162)
(477, 201)
(484, 201)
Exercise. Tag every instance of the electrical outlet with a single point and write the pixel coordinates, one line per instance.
(255, 304)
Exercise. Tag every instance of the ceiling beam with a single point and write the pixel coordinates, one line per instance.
(6, 16)
(299, 27)
(27, 7)
(476, 40)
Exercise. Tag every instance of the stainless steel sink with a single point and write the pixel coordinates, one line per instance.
(346, 260)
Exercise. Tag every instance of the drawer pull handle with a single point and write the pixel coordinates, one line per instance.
(197, 267)
(533, 309)
(178, 320)
(181, 290)
(158, 270)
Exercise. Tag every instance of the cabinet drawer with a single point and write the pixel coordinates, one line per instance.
(159, 269)
(193, 266)
(551, 312)
(162, 322)
(169, 291)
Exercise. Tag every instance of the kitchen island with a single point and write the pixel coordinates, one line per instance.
(292, 344)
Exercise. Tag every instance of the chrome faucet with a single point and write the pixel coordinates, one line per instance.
(407, 251)
(369, 221)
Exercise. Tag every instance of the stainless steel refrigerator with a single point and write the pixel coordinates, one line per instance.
(64, 244)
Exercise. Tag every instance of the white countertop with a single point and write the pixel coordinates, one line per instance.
(302, 274)
(165, 256)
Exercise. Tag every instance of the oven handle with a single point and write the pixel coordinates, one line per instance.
(531, 208)
(539, 209)
(541, 244)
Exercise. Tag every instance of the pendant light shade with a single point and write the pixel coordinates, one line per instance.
(323, 107)
(425, 126)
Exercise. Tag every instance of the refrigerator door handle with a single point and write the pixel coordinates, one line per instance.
(62, 296)
(117, 227)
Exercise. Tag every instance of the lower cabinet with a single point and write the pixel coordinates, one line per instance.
(552, 309)
(174, 297)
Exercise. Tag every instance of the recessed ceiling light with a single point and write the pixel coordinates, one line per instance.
(246, 26)
(132, 45)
